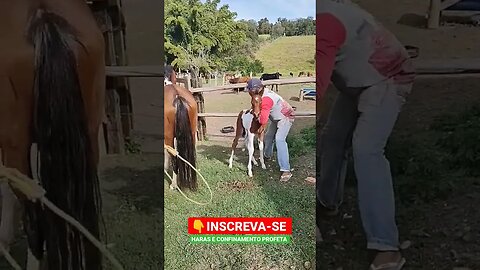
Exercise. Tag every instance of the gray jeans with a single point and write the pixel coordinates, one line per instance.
(277, 132)
(363, 122)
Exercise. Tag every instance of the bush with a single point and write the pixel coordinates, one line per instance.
(299, 145)
(430, 164)
(461, 139)
(245, 65)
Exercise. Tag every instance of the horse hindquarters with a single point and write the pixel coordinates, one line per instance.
(68, 159)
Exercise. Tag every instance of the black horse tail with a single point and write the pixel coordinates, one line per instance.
(68, 170)
(187, 177)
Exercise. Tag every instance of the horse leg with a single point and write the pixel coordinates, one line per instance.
(174, 184)
(13, 157)
(260, 146)
(167, 165)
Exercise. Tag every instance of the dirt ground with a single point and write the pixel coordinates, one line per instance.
(132, 184)
(443, 233)
(229, 101)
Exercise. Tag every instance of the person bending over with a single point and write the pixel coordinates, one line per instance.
(374, 75)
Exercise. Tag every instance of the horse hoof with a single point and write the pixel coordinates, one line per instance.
(230, 166)
(250, 174)
(264, 167)
(172, 187)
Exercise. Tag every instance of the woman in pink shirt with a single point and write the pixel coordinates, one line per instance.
(374, 75)
(281, 116)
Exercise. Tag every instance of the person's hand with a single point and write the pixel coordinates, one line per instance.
(261, 129)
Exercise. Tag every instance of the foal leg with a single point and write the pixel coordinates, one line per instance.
(254, 160)
(260, 146)
(238, 134)
(250, 153)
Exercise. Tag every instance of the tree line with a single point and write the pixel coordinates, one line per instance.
(202, 37)
(283, 26)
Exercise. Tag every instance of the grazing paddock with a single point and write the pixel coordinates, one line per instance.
(237, 195)
(288, 54)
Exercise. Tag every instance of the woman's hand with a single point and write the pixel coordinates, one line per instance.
(261, 129)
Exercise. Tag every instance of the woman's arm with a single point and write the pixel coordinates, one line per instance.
(330, 36)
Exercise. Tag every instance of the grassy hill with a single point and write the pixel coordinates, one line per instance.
(288, 54)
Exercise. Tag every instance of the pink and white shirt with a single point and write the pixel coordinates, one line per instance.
(354, 50)
(274, 107)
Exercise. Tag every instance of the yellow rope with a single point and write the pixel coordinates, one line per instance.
(174, 152)
(33, 191)
(9, 258)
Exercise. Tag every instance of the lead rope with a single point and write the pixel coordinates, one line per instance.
(174, 152)
(34, 192)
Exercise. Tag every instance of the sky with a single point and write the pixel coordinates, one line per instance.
(271, 9)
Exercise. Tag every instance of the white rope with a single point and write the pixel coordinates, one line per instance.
(33, 191)
(9, 258)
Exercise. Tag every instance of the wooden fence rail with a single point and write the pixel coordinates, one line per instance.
(297, 114)
(434, 68)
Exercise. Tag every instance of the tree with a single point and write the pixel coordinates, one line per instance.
(198, 35)
(278, 30)
(264, 27)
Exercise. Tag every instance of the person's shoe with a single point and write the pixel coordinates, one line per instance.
(388, 261)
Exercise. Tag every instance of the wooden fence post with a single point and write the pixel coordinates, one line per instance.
(115, 139)
(434, 14)
(201, 122)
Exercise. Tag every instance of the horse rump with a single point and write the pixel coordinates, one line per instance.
(68, 170)
(187, 177)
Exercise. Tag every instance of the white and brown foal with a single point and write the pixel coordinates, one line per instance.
(248, 127)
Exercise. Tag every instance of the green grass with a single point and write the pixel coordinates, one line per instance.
(237, 195)
(440, 159)
(288, 54)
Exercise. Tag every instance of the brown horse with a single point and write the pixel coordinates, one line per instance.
(180, 128)
(238, 80)
(248, 127)
(52, 83)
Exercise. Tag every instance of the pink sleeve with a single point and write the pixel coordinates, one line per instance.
(331, 35)
(267, 105)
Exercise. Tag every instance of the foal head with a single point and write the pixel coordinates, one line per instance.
(255, 89)
(256, 102)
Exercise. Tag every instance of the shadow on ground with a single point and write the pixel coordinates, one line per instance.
(132, 190)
